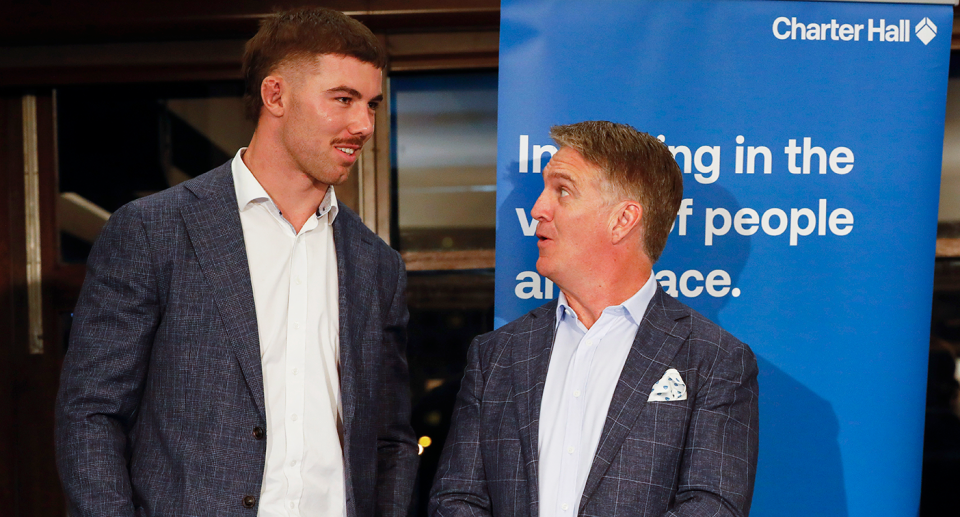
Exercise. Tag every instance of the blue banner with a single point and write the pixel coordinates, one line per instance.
(810, 136)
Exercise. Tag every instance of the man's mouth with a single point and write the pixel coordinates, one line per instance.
(348, 146)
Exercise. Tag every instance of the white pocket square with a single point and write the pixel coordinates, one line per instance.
(669, 387)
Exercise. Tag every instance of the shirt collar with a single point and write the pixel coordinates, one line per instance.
(634, 307)
(329, 204)
(249, 190)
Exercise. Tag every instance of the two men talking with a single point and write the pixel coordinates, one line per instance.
(239, 343)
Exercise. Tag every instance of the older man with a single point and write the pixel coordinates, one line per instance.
(615, 399)
(239, 342)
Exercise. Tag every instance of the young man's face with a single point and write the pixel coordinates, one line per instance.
(330, 115)
(573, 219)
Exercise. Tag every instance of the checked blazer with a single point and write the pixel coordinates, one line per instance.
(161, 404)
(692, 457)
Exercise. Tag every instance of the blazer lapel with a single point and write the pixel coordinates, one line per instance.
(213, 226)
(662, 331)
(356, 269)
(531, 354)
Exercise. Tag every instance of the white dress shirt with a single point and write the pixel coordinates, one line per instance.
(584, 369)
(294, 278)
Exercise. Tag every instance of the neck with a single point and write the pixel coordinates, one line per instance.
(608, 285)
(296, 194)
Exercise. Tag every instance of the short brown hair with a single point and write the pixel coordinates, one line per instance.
(637, 166)
(303, 33)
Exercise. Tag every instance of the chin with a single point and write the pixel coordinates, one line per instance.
(328, 177)
(543, 268)
(339, 180)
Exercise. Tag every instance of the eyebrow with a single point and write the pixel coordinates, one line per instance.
(353, 93)
(564, 176)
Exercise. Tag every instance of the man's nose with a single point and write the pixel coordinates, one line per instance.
(362, 121)
(539, 210)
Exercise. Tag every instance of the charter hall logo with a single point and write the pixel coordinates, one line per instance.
(926, 30)
(873, 30)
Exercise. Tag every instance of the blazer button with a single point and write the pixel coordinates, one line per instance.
(259, 433)
(249, 501)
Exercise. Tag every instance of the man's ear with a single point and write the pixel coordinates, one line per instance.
(627, 218)
(273, 92)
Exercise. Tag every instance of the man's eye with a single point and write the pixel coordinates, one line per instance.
(344, 100)
(564, 192)
(374, 105)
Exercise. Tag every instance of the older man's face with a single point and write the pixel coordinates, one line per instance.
(574, 220)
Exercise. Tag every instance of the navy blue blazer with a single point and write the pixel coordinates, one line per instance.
(162, 389)
(690, 457)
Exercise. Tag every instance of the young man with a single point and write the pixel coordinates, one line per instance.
(239, 343)
(615, 399)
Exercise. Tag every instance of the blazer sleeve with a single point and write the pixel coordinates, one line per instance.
(720, 457)
(459, 487)
(105, 367)
(396, 444)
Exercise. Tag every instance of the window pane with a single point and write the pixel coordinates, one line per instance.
(444, 132)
